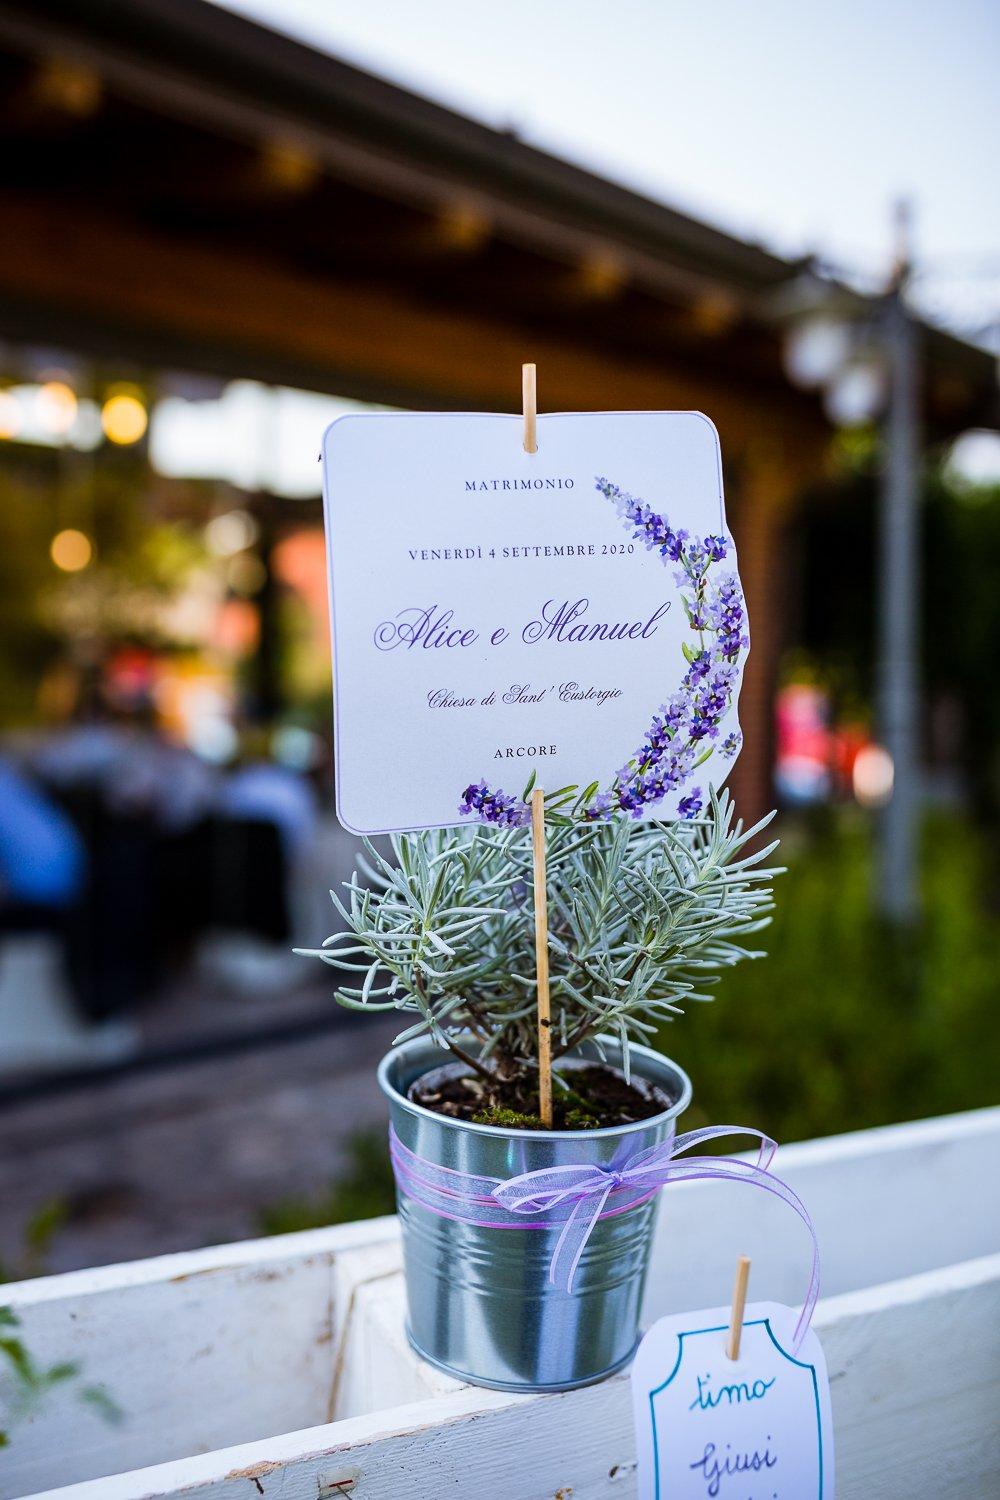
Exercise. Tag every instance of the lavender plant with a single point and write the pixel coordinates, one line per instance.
(643, 916)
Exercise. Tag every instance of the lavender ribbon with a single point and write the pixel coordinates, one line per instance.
(578, 1197)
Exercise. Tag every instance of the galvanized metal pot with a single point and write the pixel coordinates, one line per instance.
(481, 1306)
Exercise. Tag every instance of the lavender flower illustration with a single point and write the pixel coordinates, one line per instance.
(684, 731)
(494, 807)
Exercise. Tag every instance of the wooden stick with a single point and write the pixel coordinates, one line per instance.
(738, 1307)
(542, 958)
(529, 397)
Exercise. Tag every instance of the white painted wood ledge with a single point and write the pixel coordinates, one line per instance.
(279, 1367)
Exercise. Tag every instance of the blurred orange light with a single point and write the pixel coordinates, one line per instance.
(873, 776)
(69, 87)
(124, 419)
(463, 226)
(289, 168)
(71, 550)
(56, 405)
(601, 275)
(714, 314)
(10, 415)
(237, 628)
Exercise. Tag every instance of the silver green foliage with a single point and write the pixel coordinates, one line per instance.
(643, 916)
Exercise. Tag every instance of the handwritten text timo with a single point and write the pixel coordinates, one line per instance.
(720, 1462)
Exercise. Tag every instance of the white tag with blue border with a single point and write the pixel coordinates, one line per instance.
(712, 1428)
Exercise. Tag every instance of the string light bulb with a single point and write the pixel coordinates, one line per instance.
(57, 406)
(124, 419)
(71, 550)
(10, 415)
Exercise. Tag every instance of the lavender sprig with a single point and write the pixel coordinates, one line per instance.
(681, 734)
(684, 731)
(494, 806)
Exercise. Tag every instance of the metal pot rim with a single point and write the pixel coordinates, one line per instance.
(637, 1052)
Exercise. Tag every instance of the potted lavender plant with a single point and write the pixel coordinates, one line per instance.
(526, 1248)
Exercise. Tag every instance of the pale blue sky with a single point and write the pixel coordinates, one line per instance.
(793, 124)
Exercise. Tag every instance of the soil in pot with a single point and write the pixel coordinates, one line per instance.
(585, 1096)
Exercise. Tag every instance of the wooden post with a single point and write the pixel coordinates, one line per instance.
(542, 958)
(529, 396)
(738, 1307)
(762, 504)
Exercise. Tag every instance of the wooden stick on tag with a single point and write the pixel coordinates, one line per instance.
(542, 958)
(529, 396)
(738, 1307)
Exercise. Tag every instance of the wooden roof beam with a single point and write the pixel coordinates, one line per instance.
(179, 300)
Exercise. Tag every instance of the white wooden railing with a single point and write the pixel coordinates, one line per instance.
(279, 1367)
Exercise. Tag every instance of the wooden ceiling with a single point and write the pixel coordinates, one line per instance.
(181, 187)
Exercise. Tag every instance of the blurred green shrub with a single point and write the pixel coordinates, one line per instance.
(845, 1024)
(39, 1232)
(363, 1192)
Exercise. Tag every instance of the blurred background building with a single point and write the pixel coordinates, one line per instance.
(214, 239)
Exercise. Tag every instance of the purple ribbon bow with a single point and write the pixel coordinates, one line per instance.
(578, 1197)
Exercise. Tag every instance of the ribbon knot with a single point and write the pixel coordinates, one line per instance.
(577, 1196)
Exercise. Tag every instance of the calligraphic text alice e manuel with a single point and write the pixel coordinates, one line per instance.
(432, 627)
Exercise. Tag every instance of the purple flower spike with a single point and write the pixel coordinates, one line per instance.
(494, 807)
(600, 809)
(691, 805)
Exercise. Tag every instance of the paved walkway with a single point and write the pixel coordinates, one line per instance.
(188, 1156)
